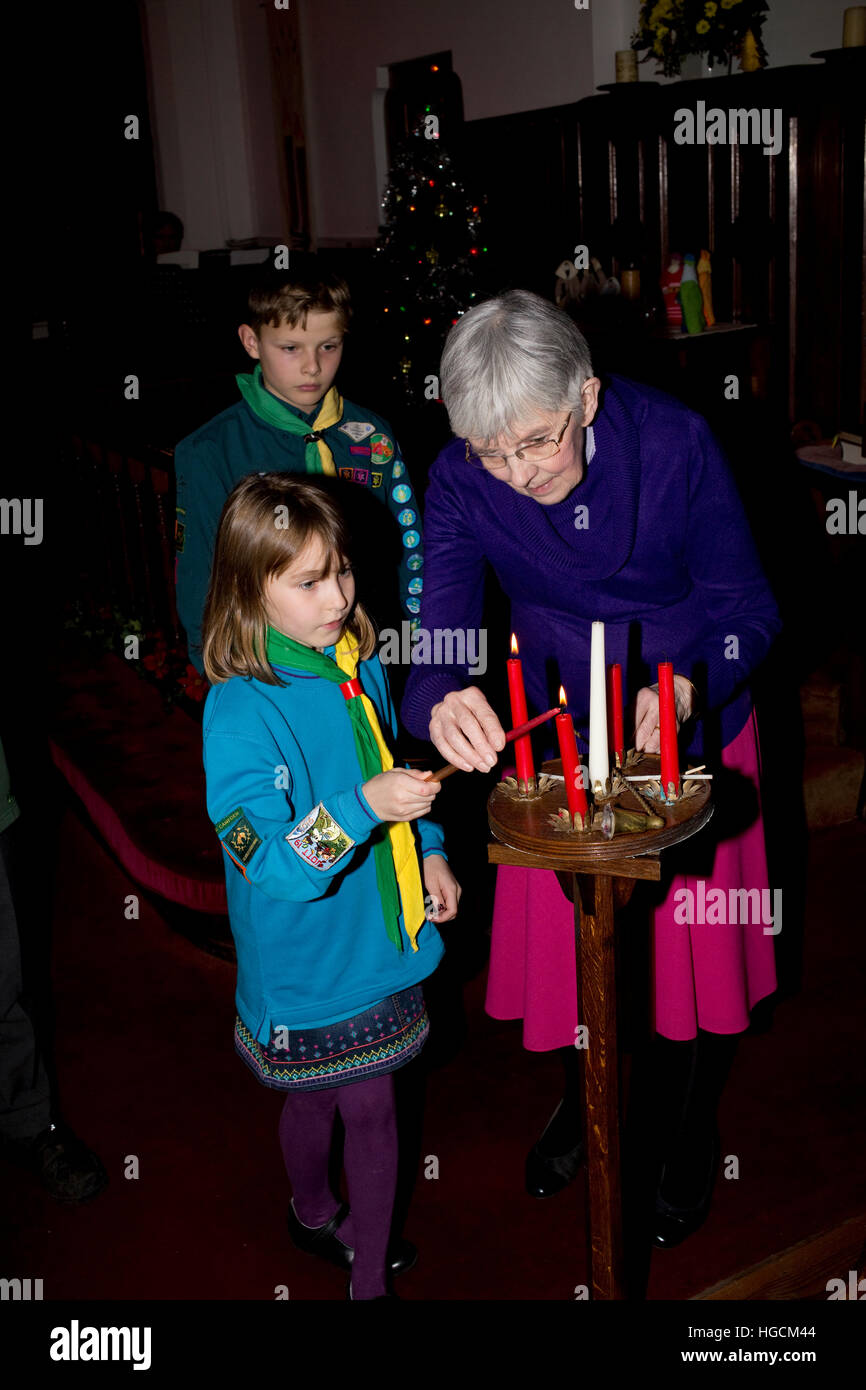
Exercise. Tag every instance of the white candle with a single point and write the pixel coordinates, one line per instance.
(599, 755)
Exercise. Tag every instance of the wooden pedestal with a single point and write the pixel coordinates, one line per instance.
(598, 875)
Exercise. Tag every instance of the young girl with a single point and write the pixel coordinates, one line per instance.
(324, 890)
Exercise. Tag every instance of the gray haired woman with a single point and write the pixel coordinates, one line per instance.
(605, 502)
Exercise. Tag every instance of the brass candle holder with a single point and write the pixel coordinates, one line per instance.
(609, 818)
(529, 791)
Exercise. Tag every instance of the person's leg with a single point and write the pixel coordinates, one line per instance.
(306, 1128)
(370, 1157)
(25, 1100)
(667, 1078)
(689, 1144)
(563, 1130)
(32, 1134)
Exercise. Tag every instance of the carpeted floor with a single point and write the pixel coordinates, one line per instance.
(147, 1072)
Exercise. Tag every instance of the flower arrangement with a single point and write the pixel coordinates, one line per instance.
(671, 29)
(108, 630)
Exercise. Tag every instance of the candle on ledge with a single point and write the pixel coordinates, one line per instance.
(625, 65)
(614, 712)
(670, 769)
(854, 27)
(599, 754)
(571, 771)
(517, 696)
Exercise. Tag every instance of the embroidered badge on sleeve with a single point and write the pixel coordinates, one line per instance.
(179, 530)
(319, 840)
(240, 839)
(382, 447)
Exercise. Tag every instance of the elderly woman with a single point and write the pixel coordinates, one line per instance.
(613, 504)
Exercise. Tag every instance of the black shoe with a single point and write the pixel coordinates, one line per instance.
(547, 1174)
(67, 1169)
(674, 1224)
(322, 1241)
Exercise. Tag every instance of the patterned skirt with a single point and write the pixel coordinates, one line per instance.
(383, 1038)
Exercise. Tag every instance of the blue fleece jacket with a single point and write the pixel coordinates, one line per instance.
(284, 794)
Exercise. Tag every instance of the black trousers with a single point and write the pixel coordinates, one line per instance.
(25, 1090)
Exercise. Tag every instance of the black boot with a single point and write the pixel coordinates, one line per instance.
(691, 1155)
(553, 1162)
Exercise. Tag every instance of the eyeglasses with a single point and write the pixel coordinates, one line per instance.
(535, 453)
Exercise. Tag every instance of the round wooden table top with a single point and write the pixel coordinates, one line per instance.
(525, 823)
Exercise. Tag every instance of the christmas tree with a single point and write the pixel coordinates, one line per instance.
(429, 258)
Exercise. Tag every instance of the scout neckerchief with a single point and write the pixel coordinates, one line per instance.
(396, 860)
(267, 407)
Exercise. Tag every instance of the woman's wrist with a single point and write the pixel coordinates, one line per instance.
(689, 693)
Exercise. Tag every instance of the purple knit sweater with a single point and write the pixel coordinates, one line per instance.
(666, 561)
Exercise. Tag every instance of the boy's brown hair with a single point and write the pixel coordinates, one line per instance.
(289, 297)
(267, 520)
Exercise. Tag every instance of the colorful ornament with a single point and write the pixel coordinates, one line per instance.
(705, 276)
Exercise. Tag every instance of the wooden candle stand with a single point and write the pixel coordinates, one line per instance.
(598, 876)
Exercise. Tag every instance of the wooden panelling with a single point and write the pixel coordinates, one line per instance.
(786, 230)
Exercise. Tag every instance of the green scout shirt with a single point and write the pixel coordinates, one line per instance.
(387, 548)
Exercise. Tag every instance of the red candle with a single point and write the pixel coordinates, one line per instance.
(670, 772)
(530, 724)
(574, 789)
(517, 695)
(614, 712)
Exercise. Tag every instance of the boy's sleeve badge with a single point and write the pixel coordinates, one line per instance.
(381, 447)
(238, 836)
(179, 529)
(319, 840)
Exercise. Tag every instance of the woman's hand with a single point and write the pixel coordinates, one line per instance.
(442, 887)
(402, 793)
(647, 738)
(466, 731)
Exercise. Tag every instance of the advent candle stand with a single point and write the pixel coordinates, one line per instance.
(598, 876)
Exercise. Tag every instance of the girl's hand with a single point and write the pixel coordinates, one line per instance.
(466, 731)
(647, 738)
(442, 887)
(401, 793)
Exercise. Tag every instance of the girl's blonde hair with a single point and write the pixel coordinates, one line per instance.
(267, 520)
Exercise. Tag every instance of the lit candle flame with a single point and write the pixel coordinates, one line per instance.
(562, 699)
(513, 645)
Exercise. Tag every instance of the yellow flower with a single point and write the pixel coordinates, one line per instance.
(710, 9)
(661, 31)
(702, 27)
(729, 4)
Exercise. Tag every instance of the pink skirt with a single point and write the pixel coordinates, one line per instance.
(704, 974)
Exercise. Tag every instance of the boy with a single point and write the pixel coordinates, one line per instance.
(293, 419)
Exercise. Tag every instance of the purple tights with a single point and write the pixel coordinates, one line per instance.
(370, 1159)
